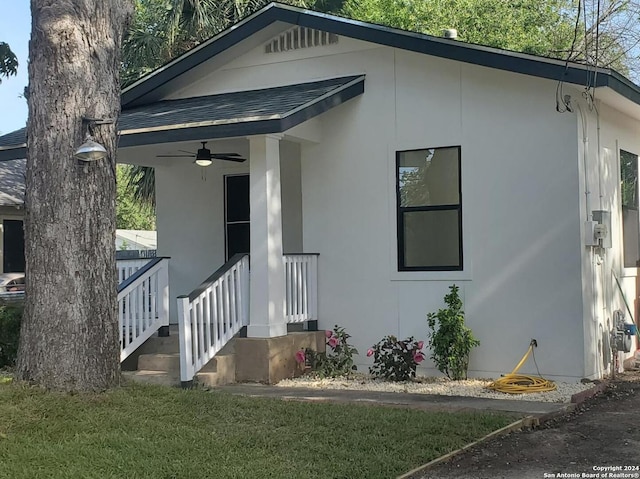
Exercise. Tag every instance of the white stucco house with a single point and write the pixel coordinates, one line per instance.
(407, 163)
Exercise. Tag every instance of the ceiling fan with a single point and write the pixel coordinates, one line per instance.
(204, 157)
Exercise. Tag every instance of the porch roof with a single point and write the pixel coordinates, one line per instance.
(225, 115)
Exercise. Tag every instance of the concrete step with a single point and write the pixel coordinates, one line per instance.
(155, 344)
(161, 378)
(169, 363)
(221, 369)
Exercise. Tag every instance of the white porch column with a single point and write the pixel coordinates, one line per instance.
(266, 318)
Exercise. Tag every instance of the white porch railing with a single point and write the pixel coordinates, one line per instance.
(301, 287)
(143, 304)
(216, 311)
(212, 314)
(127, 267)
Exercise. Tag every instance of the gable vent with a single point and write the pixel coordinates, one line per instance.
(300, 37)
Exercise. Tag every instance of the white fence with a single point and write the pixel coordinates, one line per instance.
(212, 314)
(301, 287)
(143, 303)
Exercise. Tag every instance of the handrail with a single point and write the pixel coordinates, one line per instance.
(140, 272)
(214, 277)
(301, 254)
(212, 314)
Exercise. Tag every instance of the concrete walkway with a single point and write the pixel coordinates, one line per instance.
(425, 402)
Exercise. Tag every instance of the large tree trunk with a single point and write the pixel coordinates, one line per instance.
(69, 336)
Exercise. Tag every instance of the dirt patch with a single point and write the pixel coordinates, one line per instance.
(601, 435)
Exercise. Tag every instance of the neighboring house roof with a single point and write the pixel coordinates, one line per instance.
(12, 176)
(136, 239)
(252, 112)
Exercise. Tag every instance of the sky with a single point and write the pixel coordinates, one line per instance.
(15, 29)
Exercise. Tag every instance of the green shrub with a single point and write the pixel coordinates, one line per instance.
(450, 340)
(10, 317)
(339, 360)
(396, 360)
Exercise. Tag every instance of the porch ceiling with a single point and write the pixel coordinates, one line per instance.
(226, 115)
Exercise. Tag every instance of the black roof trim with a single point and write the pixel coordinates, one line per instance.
(13, 154)
(506, 60)
(225, 115)
(249, 128)
(212, 47)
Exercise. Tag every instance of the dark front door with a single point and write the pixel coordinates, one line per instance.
(13, 246)
(236, 214)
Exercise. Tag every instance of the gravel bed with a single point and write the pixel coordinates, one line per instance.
(445, 387)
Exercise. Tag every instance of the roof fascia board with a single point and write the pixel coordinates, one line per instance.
(621, 85)
(230, 130)
(300, 115)
(13, 153)
(249, 128)
(505, 60)
(207, 50)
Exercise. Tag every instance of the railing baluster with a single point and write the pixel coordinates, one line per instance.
(127, 320)
(206, 318)
(305, 290)
(289, 280)
(225, 314)
(300, 287)
(232, 286)
(215, 316)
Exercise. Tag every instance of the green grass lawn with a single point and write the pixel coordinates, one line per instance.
(163, 433)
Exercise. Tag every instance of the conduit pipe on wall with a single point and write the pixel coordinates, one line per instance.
(599, 157)
(585, 158)
(595, 259)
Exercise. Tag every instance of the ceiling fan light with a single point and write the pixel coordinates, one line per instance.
(203, 162)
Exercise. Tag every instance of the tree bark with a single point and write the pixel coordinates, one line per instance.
(69, 335)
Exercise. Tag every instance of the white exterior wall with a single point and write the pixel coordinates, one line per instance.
(520, 202)
(190, 215)
(521, 227)
(601, 294)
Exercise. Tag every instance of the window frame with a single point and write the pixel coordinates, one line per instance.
(623, 207)
(400, 210)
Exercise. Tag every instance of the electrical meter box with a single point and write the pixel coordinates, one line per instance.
(602, 230)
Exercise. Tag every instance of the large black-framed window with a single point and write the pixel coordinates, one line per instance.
(429, 201)
(630, 217)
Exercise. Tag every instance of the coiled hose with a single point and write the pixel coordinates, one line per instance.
(514, 383)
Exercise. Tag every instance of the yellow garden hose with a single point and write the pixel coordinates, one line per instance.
(514, 383)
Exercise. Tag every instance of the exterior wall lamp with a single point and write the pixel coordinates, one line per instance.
(91, 150)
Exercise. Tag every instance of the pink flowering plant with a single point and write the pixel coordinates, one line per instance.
(396, 360)
(336, 361)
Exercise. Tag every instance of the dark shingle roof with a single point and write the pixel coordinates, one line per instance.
(268, 110)
(234, 107)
